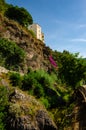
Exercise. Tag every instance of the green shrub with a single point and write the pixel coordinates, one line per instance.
(15, 79)
(11, 54)
(2, 124)
(40, 84)
(45, 102)
(45, 79)
(34, 78)
(39, 91)
(3, 98)
(3, 105)
(29, 81)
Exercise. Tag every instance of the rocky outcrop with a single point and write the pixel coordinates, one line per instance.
(3, 70)
(44, 122)
(36, 51)
(26, 113)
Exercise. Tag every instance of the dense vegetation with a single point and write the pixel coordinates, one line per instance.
(54, 89)
(72, 68)
(19, 14)
(3, 6)
(3, 106)
(56, 97)
(38, 83)
(11, 55)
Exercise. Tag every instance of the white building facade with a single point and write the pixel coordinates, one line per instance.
(37, 30)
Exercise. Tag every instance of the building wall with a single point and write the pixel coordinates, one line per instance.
(42, 36)
(37, 30)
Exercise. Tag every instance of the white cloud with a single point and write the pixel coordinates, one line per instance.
(82, 26)
(78, 40)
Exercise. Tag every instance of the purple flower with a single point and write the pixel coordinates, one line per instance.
(52, 61)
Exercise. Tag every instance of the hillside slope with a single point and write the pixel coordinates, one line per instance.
(36, 51)
(24, 112)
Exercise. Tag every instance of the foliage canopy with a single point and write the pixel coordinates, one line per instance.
(72, 69)
(20, 15)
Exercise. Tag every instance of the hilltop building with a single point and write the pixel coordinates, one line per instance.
(36, 28)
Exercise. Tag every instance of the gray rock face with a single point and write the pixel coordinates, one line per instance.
(26, 113)
(44, 122)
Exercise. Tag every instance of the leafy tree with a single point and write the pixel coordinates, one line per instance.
(21, 15)
(72, 69)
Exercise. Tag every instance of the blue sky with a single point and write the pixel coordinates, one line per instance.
(63, 22)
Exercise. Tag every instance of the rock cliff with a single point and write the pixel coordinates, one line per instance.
(26, 113)
(37, 52)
